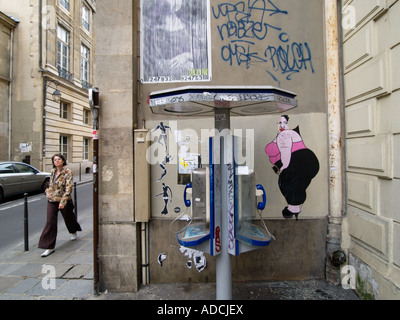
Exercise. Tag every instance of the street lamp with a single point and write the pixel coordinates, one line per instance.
(56, 94)
(56, 98)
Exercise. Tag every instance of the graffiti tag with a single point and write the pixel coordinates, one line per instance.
(247, 23)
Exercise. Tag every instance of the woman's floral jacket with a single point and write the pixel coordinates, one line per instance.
(60, 188)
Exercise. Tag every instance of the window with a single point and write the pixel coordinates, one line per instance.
(86, 148)
(7, 168)
(62, 49)
(86, 116)
(85, 64)
(22, 168)
(86, 18)
(64, 110)
(65, 4)
(64, 146)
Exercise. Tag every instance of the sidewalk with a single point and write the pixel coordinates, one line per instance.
(22, 273)
(25, 276)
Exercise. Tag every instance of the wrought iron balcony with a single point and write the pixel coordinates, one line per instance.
(86, 85)
(65, 74)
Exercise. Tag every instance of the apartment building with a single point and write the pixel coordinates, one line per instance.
(53, 69)
(7, 29)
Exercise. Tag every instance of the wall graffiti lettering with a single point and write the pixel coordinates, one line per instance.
(231, 206)
(244, 24)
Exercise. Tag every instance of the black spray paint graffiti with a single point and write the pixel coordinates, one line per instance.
(166, 197)
(244, 24)
(295, 164)
(161, 258)
(163, 140)
(163, 166)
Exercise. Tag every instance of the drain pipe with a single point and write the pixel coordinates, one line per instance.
(10, 93)
(336, 139)
(43, 153)
(144, 253)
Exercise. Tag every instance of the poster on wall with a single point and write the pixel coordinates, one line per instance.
(175, 41)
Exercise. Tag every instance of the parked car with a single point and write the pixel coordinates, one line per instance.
(17, 178)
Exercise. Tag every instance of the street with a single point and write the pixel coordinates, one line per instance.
(12, 216)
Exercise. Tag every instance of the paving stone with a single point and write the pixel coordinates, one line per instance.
(24, 286)
(8, 282)
(77, 272)
(76, 289)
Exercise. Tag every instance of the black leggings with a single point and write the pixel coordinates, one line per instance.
(295, 179)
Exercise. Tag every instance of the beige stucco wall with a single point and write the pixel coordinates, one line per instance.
(371, 64)
(302, 23)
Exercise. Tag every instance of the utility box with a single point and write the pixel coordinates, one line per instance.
(142, 176)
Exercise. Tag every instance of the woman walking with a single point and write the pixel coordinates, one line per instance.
(59, 199)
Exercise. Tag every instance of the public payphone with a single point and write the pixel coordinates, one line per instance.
(226, 237)
(247, 233)
(197, 231)
(200, 196)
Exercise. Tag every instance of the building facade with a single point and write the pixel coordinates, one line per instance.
(7, 25)
(53, 70)
(371, 102)
(339, 57)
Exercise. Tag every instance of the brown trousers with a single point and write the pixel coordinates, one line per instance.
(49, 234)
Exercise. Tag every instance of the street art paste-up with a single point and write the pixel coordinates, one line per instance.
(167, 191)
(199, 259)
(161, 258)
(163, 166)
(295, 164)
(163, 138)
(166, 197)
(175, 41)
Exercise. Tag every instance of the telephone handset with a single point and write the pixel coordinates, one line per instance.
(187, 202)
(261, 205)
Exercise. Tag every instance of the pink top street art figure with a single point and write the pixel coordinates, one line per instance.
(295, 164)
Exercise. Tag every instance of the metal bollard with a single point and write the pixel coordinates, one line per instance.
(75, 202)
(26, 223)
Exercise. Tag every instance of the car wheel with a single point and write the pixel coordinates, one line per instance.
(45, 185)
(1, 195)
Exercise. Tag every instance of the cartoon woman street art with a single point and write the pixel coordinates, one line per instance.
(165, 196)
(295, 164)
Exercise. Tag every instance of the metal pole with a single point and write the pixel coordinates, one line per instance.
(26, 223)
(94, 100)
(95, 216)
(75, 202)
(223, 261)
